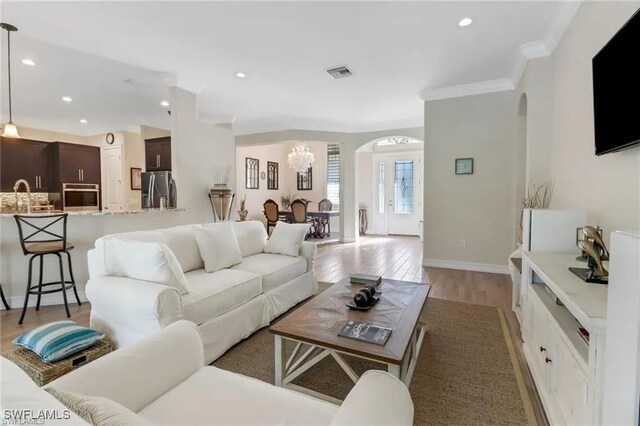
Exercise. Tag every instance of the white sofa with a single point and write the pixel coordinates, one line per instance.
(163, 378)
(227, 305)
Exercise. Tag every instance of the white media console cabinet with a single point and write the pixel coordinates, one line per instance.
(566, 369)
(579, 382)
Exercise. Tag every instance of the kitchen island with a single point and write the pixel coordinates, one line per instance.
(83, 229)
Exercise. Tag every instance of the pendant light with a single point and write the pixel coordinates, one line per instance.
(10, 130)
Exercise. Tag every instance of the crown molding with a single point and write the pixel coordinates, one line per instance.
(470, 89)
(532, 50)
(563, 19)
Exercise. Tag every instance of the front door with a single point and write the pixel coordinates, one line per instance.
(399, 194)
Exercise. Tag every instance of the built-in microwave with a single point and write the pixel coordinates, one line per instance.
(80, 197)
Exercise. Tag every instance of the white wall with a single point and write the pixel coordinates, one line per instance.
(49, 136)
(560, 132)
(477, 207)
(196, 149)
(148, 132)
(257, 197)
(607, 187)
(133, 151)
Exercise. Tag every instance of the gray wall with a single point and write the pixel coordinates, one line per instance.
(479, 207)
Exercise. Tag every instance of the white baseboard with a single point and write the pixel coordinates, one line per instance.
(15, 302)
(466, 266)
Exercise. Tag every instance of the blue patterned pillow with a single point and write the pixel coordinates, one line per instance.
(58, 340)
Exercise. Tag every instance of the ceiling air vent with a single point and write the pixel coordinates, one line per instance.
(340, 72)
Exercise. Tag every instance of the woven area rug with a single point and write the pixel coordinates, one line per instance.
(466, 373)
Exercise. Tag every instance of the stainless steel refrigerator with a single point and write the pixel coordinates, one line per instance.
(156, 186)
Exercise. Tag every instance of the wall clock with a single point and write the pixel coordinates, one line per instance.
(110, 138)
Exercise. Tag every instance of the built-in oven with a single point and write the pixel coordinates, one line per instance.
(80, 197)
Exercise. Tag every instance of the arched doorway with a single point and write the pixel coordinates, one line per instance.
(389, 185)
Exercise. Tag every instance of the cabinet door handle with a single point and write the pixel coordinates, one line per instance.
(79, 178)
(82, 170)
(548, 360)
(157, 160)
(543, 349)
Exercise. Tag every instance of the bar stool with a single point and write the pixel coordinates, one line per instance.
(4, 301)
(42, 235)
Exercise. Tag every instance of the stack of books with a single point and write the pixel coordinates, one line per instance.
(365, 279)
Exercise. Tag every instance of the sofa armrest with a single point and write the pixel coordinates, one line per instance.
(363, 406)
(139, 306)
(138, 374)
(308, 250)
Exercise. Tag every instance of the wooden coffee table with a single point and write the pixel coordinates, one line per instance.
(314, 327)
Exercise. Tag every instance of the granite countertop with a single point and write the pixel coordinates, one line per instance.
(101, 213)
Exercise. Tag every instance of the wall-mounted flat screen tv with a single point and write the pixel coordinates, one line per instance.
(616, 90)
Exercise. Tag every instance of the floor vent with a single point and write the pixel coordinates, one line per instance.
(340, 72)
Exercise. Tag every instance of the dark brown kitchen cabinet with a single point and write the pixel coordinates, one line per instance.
(75, 163)
(25, 159)
(158, 154)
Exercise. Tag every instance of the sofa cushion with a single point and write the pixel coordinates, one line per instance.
(214, 293)
(146, 261)
(287, 238)
(252, 236)
(218, 246)
(97, 410)
(182, 242)
(153, 236)
(179, 239)
(275, 269)
(213, 396)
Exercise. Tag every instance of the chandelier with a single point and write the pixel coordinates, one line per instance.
(300, 159)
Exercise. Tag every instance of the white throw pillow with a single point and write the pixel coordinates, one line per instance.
(251, 235)
(218, 246)
(153, 262)
(287, 238)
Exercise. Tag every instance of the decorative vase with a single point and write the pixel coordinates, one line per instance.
(221, 197)
(363, 221)
(243, 215)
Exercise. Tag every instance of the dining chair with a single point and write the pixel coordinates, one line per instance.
(325, 205)
(271, 213)
(299, 215)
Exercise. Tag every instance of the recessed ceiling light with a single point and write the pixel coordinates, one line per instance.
(28, 61)
(66, 99)
(240, 75)
(465, 22)
(83, 121)
(164, 103)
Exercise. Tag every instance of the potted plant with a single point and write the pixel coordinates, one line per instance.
(286, 200)
(243, 211)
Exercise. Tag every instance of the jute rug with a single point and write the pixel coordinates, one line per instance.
(467, 373)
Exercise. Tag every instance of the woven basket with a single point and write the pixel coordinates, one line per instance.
(44, 372)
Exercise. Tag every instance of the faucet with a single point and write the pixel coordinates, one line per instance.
(16, 186)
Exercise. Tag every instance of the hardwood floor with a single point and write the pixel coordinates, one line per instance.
(392, 257)
(401, 258)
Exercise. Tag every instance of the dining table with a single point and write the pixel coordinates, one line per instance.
(317, 217)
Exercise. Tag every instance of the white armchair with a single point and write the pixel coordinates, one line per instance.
(163, 378)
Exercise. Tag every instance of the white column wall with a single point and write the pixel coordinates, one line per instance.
(196, 148)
